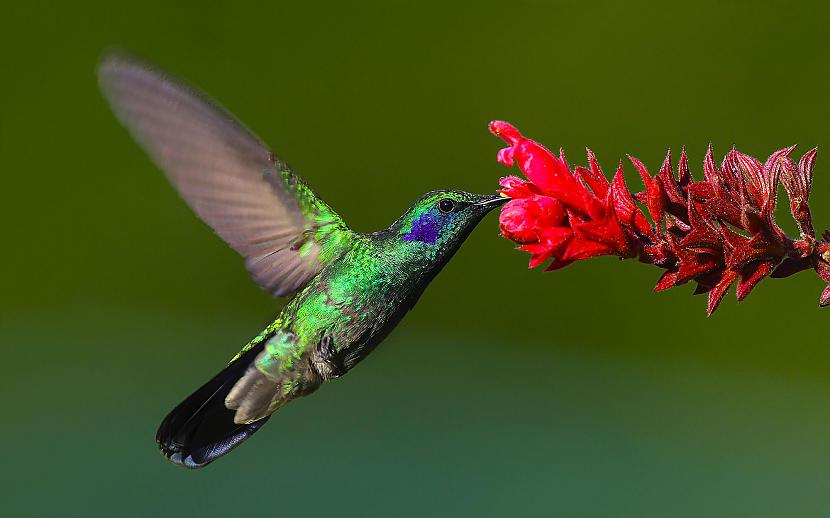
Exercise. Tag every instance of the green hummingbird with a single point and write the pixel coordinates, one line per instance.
(349, 289)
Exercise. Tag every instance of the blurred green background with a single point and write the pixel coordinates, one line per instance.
(506, 392)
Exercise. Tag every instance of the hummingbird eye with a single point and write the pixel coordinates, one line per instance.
(446, 205)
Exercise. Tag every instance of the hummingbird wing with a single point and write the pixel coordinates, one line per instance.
(248, 196)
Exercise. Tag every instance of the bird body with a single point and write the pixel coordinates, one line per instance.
(349, 289)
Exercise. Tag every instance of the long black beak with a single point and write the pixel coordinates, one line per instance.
(491, 201)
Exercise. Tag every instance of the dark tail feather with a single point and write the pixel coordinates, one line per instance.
(201, 429)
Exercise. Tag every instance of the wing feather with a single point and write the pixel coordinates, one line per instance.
(224, 172)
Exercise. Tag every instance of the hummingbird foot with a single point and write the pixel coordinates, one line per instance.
(326, 360)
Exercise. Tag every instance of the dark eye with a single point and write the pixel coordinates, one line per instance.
(446, 205)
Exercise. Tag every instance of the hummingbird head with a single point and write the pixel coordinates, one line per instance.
(438, 223)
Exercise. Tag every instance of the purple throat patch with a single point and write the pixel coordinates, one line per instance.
(424, 229)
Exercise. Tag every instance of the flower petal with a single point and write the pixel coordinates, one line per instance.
(717, 293)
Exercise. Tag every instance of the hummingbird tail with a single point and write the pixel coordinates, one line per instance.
(201, 429)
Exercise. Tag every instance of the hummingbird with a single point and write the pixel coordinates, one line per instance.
(348, 289)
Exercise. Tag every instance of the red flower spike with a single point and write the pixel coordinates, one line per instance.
(702, 233)
(731, 240)
(798, 182)
(599, 184)
(771, 174)
(506, 131)
(696, 264)
(710, 169)
(805, 172)
(732, 175)
(755, 248)
(557, 264)
(701, 191)
(822, 268)
(825, 297)
(539, 254)
(667, 280)
(505, 156)
(579, 249)
(515, 187)
(622, 203)
(593, 178)
(720, 209)
(719, 290)
(655, 196)
(676, 223)
(684, 176)
(562, 158)
(675, 201)
(522, 220)
(607, 232)
(751, 276)
(719, 231)
(552, 242)
(547, 171)
(751, 169)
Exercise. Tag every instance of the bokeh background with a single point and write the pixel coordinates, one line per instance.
(506, 392)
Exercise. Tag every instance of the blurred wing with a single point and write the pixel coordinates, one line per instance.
(226, 174)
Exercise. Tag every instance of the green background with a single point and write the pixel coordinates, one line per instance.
(506, 392)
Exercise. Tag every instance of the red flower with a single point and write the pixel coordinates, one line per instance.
(522, 218)
(717, 232)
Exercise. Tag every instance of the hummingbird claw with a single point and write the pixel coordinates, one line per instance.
(327, 354)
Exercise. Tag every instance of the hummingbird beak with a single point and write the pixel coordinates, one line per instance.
(491, 201)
